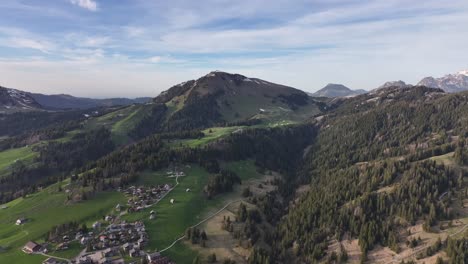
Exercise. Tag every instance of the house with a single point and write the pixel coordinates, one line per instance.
(127, 246)
(152, 216)
(84, 240)
(118, 207)
(96, 225)
(141, 243)
(51, 261)
(85, 260)
(172, 201)
(188, 190)
(31, 247)
(134, 253)
(156, 258)
(21, 221)
(62, 246)
(153, 256)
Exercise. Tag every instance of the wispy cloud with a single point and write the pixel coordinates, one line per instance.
(30, 44)
(304, 43)
(87, 4)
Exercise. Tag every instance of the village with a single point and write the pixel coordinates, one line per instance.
(111, 239)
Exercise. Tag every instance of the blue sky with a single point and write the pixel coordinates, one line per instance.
(103, 48)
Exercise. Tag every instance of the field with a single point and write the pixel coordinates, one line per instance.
(44, 210)
(8, 157)
(211, 135)
(119, 122)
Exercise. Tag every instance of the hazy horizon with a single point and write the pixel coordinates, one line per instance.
(103, 48)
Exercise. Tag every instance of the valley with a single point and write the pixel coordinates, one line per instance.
(239, 169)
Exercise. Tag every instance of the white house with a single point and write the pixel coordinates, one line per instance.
(21, 221)
(172, 201)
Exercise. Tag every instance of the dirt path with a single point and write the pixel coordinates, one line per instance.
(201, 222)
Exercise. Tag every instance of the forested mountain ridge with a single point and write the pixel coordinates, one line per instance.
(368, 169)
(65, 101)
(13, 100)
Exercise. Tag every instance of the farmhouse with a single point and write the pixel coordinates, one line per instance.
(31, 247)
(172, 201)
(21, 221)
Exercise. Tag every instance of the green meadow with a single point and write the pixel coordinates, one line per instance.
(8, 157)
(211, 134)
(44, 210)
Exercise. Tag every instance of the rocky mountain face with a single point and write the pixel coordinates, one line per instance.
(450, 83)
(337, 90)
(16, 100)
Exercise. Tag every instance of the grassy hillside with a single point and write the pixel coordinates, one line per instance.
(9, 157)
(44, 210)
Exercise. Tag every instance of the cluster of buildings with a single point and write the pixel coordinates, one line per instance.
(115, 235)
(108, 244)
(142, 197)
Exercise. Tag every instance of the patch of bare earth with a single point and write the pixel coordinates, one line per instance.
(380, 255)
(351, 246)
(221, 241)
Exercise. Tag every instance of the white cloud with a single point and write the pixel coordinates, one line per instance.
(134, 31)
(18, 42)
(87, 4)
(164, 59)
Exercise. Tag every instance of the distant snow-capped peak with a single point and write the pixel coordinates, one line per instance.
(451, 83)
(464, 72)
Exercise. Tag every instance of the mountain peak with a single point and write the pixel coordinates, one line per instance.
(451, 83)
(336, 90)
(464, 72)
(398, 84)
